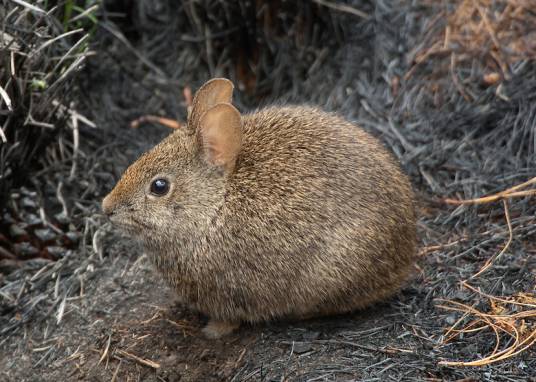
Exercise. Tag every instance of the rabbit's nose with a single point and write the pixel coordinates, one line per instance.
(107, 205)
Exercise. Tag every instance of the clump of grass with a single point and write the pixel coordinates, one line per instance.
(474, 44)
(42, 45)
(510, 319)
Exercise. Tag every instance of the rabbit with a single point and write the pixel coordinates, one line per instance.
(288, 212)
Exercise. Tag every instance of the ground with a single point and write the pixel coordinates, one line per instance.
(125, 325)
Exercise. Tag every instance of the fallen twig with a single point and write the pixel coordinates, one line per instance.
(343, 8)
(171, 123)
(135, 358)
(511, 192)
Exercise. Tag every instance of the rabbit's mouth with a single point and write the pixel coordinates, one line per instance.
(130, 226)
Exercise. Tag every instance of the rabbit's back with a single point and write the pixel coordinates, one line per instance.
(318, 218)
(303, 165)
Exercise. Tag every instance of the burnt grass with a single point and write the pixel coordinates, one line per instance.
(96, 310)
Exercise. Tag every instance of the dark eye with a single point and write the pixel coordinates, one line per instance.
(159, 187)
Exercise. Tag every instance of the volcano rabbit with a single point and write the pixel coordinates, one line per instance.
(287, 212)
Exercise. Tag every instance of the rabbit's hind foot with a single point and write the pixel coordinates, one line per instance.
(216, 329)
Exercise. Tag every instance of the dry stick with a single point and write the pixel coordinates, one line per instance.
(106, 348)
(421, 59)
(533, 334)
(487, 318)
(171, 123)
(154, 317)
(490, 261)
(343, 8)
(432, 248)
(240, 357)
(460, 307)
(143, 361)
(12, 64)
(522, 185)
(508, 193)
(467, 329)
(464, 283)
(62, 201)
(64, 109)
(491, 198)
(74, 65)
(506, 351)
(61, 309)
(497, 336)
(114, 377)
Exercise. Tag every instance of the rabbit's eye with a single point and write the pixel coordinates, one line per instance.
(159, 187)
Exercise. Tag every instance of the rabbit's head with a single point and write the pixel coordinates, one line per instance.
(180, 183)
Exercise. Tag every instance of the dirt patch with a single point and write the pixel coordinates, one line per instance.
(126, 326)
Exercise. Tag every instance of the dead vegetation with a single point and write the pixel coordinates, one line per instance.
(41, 51)
(511, 317)
(40, 56)
(508, 316)
(474, 44)
(42, 163)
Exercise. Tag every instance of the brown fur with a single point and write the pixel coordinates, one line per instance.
(314, 218)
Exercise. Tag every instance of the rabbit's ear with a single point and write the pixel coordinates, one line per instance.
(213, 92)
(220, 135)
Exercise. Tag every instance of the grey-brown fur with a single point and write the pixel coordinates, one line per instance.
(314, 218)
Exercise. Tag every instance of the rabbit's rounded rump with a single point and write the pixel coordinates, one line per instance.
(284, 212)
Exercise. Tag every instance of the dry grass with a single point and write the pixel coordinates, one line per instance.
(511, 319)
(482, 38)
(40, 54)
(472, 49)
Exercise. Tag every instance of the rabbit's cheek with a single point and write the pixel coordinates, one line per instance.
(125, 228)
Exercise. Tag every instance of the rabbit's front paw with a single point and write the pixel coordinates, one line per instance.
(217, 329)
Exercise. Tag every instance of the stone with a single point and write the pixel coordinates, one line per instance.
(45, 234)
(27, 202)
(16, 231)
(62, 218)
(302, 347)
(26, 249)
(56, 251)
